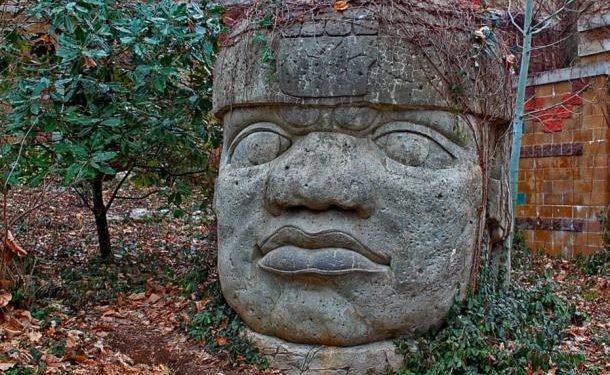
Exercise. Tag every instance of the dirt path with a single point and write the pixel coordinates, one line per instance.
(143, 335)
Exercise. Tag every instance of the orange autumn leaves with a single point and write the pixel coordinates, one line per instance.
(340, 5)
(12, 247)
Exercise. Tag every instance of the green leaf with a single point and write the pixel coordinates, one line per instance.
(138, 105)
(72, 172)
(159, 83)
(104, 156)
(127, 39)
(151, 41)
(112, 122)
(105, 169)
(95, 54)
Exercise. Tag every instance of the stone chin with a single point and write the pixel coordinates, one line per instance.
(344, 310)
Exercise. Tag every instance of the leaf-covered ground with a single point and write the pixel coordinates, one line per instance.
(127, 317)
(71, 313)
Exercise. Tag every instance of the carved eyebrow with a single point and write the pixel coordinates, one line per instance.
(405, 126)
(262, 126)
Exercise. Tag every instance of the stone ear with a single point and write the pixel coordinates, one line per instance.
(499, 203)
(499, 210)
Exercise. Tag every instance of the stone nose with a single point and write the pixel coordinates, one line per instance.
(322, 171)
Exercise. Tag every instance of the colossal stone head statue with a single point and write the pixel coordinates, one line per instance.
(355, 191)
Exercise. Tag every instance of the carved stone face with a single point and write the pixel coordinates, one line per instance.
(344, 225)
(349, 194)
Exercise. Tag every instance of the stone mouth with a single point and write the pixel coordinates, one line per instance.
(292, 260)
(291, 250)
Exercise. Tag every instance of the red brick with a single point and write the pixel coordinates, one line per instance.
(571, 99)
(526, 210)
(595, 122)
(574, 198)
(542, 236)
(583, 186)
(593, 226)
(544, 211)
(564, 162)
(526, 163)
(563, 186)
(562, 212)
(583, 135)
(533, 104)
(553, 199)
(600, 186)
(597, 198)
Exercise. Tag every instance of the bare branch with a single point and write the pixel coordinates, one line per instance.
(512, 19)
(543, 24)
(141, 196)
(551, 44)
(118, 187)
(83, 197)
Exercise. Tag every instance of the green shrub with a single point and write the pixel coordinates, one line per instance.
(498, 330)
(220, 328)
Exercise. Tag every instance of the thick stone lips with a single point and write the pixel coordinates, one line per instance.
(290, 250)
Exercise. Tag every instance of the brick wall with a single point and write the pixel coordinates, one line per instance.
(564, 172)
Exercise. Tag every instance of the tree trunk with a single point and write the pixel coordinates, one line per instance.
(101, 222)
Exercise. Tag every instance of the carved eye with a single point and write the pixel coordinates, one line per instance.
(414, 150)
(258, 147)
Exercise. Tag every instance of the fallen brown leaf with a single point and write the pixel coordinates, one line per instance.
(5, 284)
(79, 358)
(25, 314)
(34, 336)
(5, 298)
(137, 296)
(7, 364)
(340, 5)
(153, 298)
(89, 62)
(200, 305)
(13, 246)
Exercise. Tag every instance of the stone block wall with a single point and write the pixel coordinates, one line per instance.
(564, 187)
(564, 173)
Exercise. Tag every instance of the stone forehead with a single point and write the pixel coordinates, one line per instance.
(330, 58)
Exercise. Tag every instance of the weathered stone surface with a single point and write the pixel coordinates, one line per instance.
(325, 67)
(299, 359)
(405, 217)
(350, 192)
